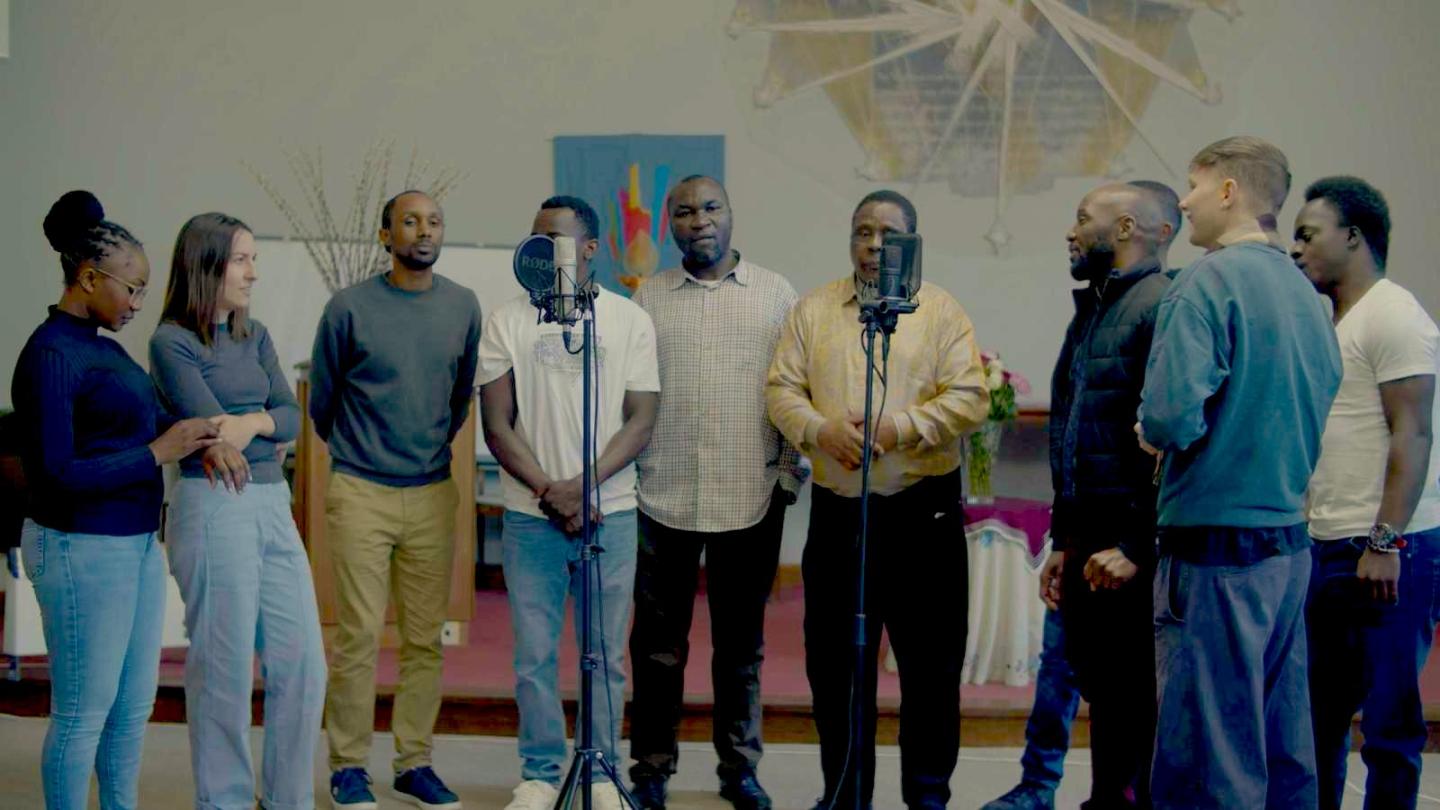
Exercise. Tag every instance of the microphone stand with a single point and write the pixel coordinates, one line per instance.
(876, 319)
(586, 753)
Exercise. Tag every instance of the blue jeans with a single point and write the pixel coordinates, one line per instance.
(1234, 702)
(245, 579)
(1047, 732)
(542, 567)
(1367, 655)
(102, 603)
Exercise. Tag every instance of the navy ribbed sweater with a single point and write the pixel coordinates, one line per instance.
(88, 413)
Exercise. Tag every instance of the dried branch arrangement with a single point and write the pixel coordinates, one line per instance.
(346, 251)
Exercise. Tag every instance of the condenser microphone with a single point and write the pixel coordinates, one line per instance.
(566, 289)
(892, 273)
(898, 287)
(547, 268)
(567, 309)
(900, 273)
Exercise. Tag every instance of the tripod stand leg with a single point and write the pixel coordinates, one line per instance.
(572, 777)
(574, 784)
(608, 768)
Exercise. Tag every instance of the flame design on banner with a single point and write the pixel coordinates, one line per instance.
(627, 179)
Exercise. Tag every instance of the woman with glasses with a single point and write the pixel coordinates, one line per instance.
(234, 549)
(92, 451)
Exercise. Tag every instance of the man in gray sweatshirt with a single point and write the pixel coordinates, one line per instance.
(392, 379)
(1243, 368)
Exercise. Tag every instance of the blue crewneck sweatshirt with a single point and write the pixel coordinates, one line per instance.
(1242, 371)
(88, 413)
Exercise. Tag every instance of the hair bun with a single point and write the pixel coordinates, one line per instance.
(71, 216)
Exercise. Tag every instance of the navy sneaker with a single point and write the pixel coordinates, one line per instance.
(350, 790)
(743, 790)
(422, 788)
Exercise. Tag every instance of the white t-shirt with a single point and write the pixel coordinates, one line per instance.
(548, 386)
(1386, 336)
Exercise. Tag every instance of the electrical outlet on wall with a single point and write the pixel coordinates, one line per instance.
(450, 635)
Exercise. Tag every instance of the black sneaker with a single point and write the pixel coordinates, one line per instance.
(422, 788)
(649, 791)
(350, 790)
(743, 790)
(1024, 796)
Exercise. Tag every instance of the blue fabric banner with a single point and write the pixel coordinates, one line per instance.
(626, 179)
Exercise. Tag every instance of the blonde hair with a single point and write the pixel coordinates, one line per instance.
(1257, 165)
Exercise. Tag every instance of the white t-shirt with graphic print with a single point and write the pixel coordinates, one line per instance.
(548, 386)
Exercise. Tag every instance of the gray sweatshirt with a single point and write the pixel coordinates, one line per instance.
(392, 376)
(229, 376)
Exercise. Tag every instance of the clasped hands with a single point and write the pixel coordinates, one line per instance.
(224, 462)
(843, 439)
(561, 501)
(1108, 569)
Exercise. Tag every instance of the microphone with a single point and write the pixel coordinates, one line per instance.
(566, 305)
(902, 261)
(547, 268)
(566, 289)
(899, 284)
(892, 281)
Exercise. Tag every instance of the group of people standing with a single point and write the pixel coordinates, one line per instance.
(1247, 500)
(1189, 414)
(710, 384)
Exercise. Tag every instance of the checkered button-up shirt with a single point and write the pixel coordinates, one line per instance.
(714, 456)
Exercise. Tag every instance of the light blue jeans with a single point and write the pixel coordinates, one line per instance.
(245, 579)
(1057, 698)
(542, 568)
(102, 603)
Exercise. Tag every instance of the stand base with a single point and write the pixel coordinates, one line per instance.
(575, 782)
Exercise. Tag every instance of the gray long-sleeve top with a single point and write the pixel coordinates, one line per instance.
(227, 377)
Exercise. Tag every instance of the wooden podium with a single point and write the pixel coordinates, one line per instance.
(312, 474)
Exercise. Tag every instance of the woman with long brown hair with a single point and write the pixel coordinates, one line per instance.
(234, 549)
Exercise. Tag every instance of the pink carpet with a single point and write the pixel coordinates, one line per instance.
(484, 666)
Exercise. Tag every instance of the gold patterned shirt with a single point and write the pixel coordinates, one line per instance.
(936, 385)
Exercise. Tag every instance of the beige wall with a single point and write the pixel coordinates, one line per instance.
(153, 105)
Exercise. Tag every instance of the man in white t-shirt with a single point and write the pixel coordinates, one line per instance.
(1374, 502)
(531, 403)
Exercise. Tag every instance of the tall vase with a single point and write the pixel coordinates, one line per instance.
(983, 447)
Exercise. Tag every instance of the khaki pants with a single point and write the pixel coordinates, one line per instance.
(370, 527)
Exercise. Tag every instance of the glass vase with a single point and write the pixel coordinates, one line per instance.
(983, 449)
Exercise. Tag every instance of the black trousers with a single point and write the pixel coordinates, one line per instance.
(917, 586)
(1110, 645)
(739, 573)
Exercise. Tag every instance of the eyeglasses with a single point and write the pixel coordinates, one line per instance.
(137, 291)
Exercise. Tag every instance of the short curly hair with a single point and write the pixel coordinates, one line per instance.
(581, 209)
(1359, 205)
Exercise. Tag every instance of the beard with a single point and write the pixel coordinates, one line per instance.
(413, 261)
(1095, 263)
(705, 254)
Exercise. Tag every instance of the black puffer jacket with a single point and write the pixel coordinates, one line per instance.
(1104, 490)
